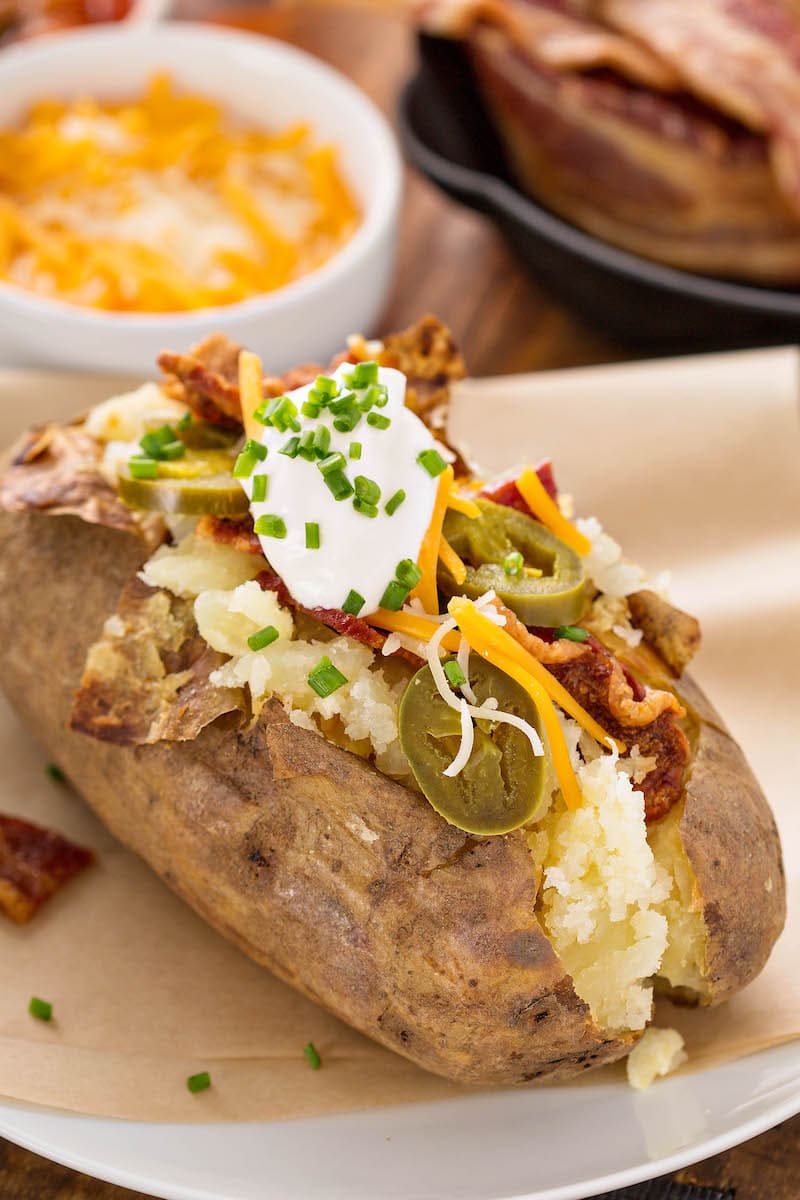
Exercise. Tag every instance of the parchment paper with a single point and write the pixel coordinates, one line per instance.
(693, 465)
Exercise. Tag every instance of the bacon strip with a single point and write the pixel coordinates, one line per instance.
(207, 379)
(599, 682)
(236, 532)
(509, 495)
(34, 864)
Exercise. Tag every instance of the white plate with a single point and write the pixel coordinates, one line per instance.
(555, 1143)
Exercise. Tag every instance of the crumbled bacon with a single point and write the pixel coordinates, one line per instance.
(509, 495)
(34, 864)
(207, 379)
(236, 532)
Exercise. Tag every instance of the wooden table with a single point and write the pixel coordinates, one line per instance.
(454, 264)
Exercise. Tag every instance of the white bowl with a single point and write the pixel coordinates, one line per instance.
(268, 83)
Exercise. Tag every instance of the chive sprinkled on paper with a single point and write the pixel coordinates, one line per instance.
(271, 525)
(513, 562)
(55, 773)
(325, 679)
(572, 633)
(353, 603)
(393, 503)
(199, 1082)
(432, 461)
(260, 488)
(264, 637)
(312, 1056)
(41, 1009)
(312, 535)
(454, 673)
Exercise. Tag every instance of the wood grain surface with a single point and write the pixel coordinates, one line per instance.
(450, 262)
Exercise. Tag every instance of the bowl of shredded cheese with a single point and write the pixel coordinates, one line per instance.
(158, 183)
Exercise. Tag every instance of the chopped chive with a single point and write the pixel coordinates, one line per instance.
(365, 373)
(378, 420)
(513, 563)
(282, 413)
(261, 413)
(347, 422)
(312, 535)
(380, 394)
(365, 508)
(306, 447)
(310, 408)
(312, 1056)
(264, 637)
(257, 449)
(393, 503)
(326, 386)
(185, 421)
(172, 450)
(338, 485)
(325, 679)
(55, 773)
(355, 450)
(432, 462)
(333, 462)
(408, 572)
(367, 489)
(143, 468)
(291, 448)
(260, 488)
(244, 466)
(454, 673)
(41, 1009)
(198, 1083)
(343, 403)
(573, 633)
(271, 526)
(322, 441)
(353, 603)
(154, 439)
(395, 596)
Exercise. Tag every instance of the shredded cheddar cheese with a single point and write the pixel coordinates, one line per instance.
(547, 511)
(488, 639)
(163, 203)
(412, 626)
(460, 504)
(251, 392)
(451, 560)
(425, 591)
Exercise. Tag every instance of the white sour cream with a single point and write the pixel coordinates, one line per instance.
(356, 552)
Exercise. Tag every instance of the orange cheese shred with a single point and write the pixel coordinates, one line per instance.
(547, 511)
(451, 560)
(251, 391)
(461, 504)
(425, 591)
(484, 636)
(412, 626)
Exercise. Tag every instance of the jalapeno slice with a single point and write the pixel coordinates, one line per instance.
(554, 597)
(204, 435)
(218, 494)
(502, 785)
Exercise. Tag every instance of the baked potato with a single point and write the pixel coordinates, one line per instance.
(294, 824)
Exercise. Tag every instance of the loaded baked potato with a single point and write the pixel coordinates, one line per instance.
(475, 807)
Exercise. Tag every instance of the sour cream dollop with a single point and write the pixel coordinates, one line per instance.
(356, 552)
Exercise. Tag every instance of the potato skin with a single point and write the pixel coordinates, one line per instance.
(340, 881)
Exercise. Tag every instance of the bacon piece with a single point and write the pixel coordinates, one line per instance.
(509, 495)
(34, 864)
(236, 532)
(207, 379)
(602, 686)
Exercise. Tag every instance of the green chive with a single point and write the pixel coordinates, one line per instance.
(264, 637)
(198, 1083)
(333, 462)
(512, 563)
(432, 462)
(310, 408)
(172, 450)
(322, 441)
(572, 633)
(365, 508)
(326, 386)
(338, 485)
(154, 439)
(347, 422)
(271, 526)
(55, 773)
(41, 1009)
(260, 488)
(143, 468)
(354, 603)
(367, 489)
(395, 596)
(282, 413)
(378, 420)
(261, 414)
(291, 448)
(342, 404)
(454, 673)
(257, 449)
(393, 503)
(325, 679)
(185, 421)
(312, 1055)
(365, 373)
(306, 446)
(355, 450)
(408, 572)
(312, 535)
(244, 466)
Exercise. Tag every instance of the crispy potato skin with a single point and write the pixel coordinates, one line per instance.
(341, 882)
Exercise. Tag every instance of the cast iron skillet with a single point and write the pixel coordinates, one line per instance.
(447, 134)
